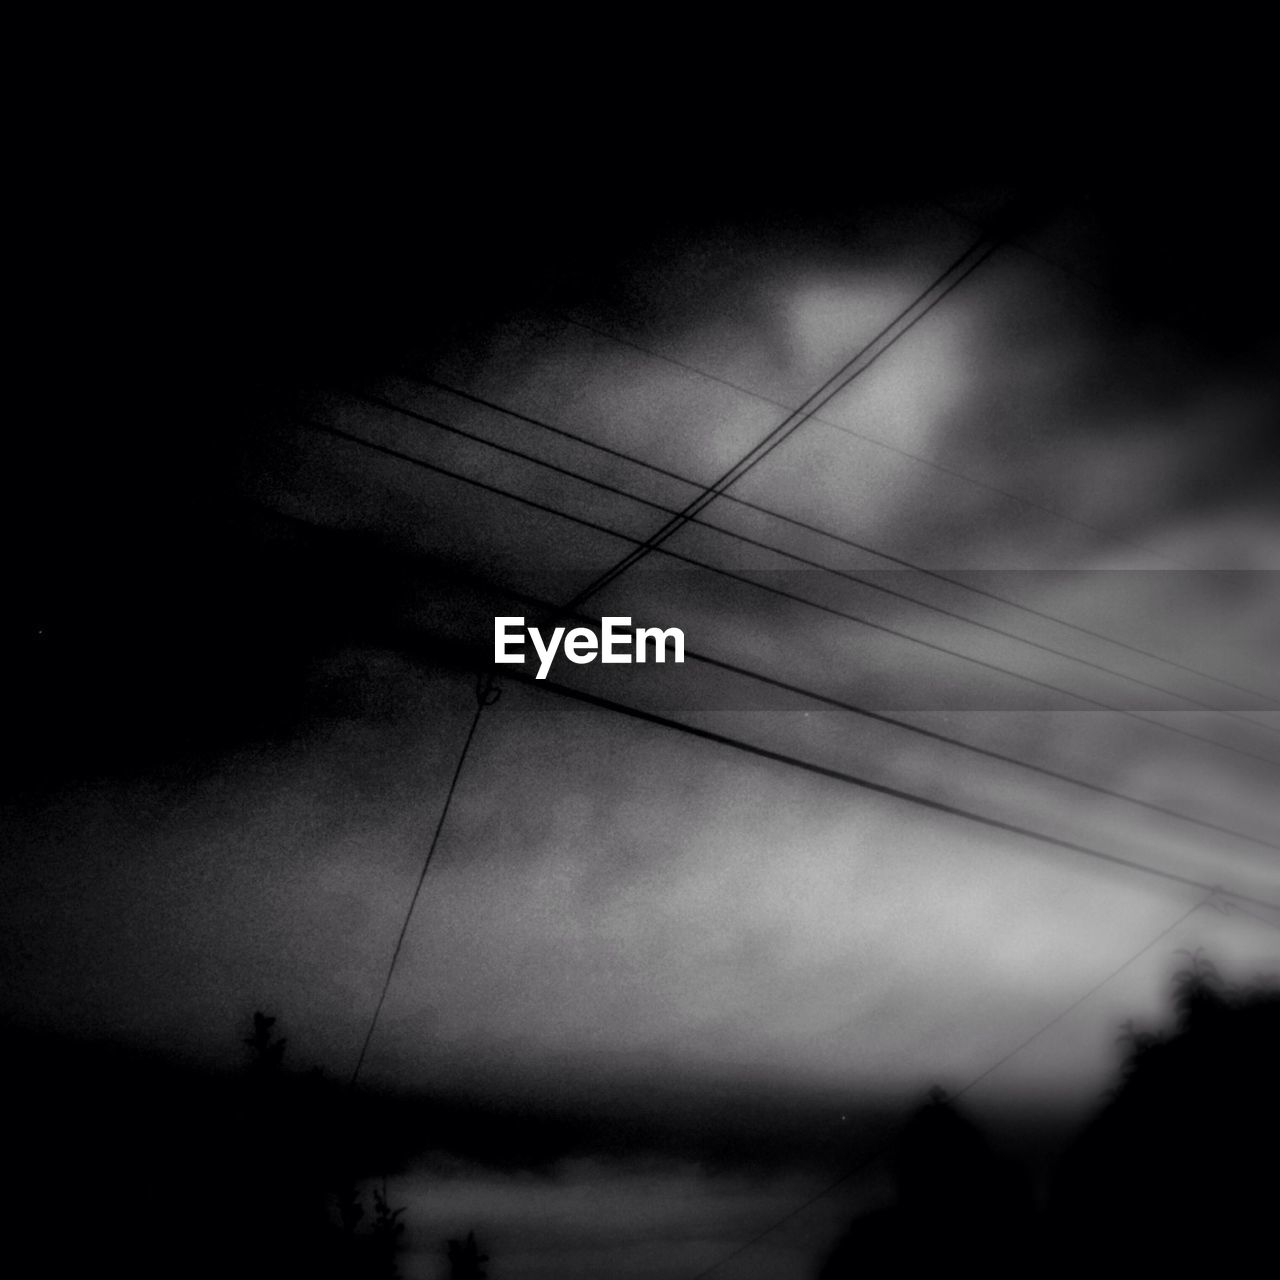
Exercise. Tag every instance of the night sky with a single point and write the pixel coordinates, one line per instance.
(684, 985)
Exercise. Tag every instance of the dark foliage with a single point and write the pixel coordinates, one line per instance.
(956, 1199)
(1178, 1170)
(1175, 1175)
(466, 1261)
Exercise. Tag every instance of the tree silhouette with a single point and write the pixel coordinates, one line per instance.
(387, 1230)
(302, 1210)
(956, 1202)
(267, 1052)
(1176, 1170)
(466, 1262)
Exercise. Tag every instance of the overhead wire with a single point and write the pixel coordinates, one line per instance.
(622, 340)
(440, 424)
(486, 696)
(863, 359)
(780, 433)
(959, 270)
(351, 437)
(842, 539)
(853, 708)
(880, 788)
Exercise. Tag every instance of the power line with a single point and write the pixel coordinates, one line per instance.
(822, 770)
(865, 1163)
(868, 784)
(439, 424)
(881, 717)
(964, 266)
(868, 1160)
(566, 610)
(621, 340)
(486, 695)
(988, 752)
(978, 225)
(880, 788)
(1210, 891)
(1234, 908)
(1071, 1008)
(852, 543)
(483, 697)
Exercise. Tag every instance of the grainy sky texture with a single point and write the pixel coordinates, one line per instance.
(249, 699)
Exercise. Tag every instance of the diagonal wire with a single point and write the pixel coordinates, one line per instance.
(621, 340)
(807, 527)
(959, 270)
(867, 784)
(567, 610)
(853, 708)
(1071, 1008)
(439, 424)
(485, 697)
(881, 788)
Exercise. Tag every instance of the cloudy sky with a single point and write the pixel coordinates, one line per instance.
(1036, 540)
